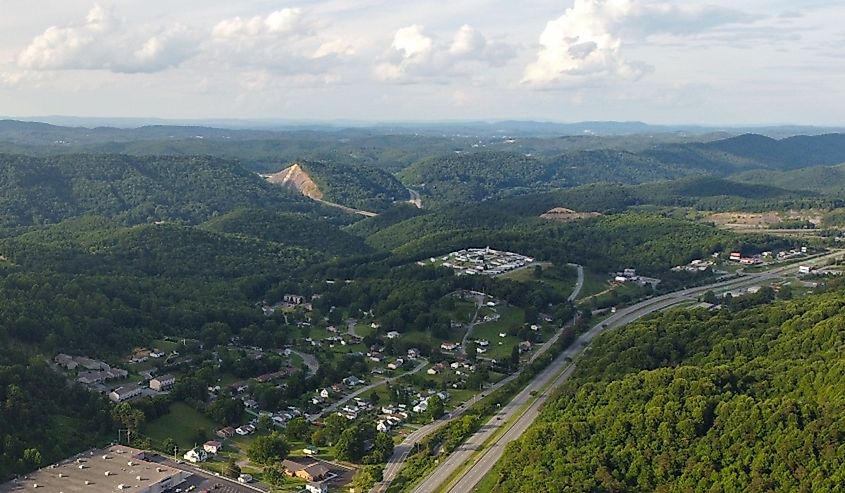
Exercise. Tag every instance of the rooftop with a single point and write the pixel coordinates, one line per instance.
(116, 468)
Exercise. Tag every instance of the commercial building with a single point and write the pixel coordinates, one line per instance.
(116, 468)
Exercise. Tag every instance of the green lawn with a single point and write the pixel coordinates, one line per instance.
(511, 317)
(364, 329)
(181, 424)
(165, 346)
(526, 274)
(593, 283)
(463, 311)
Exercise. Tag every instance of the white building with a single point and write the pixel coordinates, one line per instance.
(125, 393)
(163, 382)
(196, 455)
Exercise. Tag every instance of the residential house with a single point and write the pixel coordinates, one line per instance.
(413, 353)
(449, 346)
(352, 381)
(294, 299)
(324, 393)
(91, 364)
(317, 488)
(162, 383)
(65, 361)
(212, 446)
(226, 432)
(393, 335)
(421, 406)
(196, 455)
(139, 355)
(245, 430)
(313, 471)
(125, 393)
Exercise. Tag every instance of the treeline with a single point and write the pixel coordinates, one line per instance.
(289, 229)
(747, 399)
(159, 250)
(132, 190)
(43, 419)
(356, 185)
(652, 243)
(467, 177)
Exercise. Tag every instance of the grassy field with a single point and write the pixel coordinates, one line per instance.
(593, 284)
(463, 312)
(182, 424)
(526, 274)
(501, 347)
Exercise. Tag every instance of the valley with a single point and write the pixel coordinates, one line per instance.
(398, 327)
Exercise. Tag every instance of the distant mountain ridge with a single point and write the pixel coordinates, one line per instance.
(455, 178)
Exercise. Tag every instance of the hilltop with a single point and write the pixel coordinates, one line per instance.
(132, 190)
(295, 178)
(355, 186)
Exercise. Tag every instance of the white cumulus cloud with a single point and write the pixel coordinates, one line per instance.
(284, 42)
(288, 21)
(414, 54)
(105, 42)
(588, 39)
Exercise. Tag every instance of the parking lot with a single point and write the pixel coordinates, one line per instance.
(212, 484)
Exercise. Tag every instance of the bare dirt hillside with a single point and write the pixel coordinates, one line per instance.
(564, 214)
(296, 178)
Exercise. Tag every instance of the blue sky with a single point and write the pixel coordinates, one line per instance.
(662, 61)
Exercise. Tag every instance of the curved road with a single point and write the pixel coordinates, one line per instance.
(401, 451)
(416, 199)
(578, 284)
(309, 359)
(471, 477)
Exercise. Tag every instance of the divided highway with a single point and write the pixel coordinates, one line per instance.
(556, 374)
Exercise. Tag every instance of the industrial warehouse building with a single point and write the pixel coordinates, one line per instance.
(116, 468)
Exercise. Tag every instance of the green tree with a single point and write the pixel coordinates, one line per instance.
(170, 447)
(128, 417)
(268, 448)
(231, 469)
(435, 407)
(366, 477)
(265, 422)
(298, 429)
(348, 446)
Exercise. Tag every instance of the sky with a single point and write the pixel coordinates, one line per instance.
(660, 61)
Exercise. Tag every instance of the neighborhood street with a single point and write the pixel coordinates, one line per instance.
(434, 482)
(337, 405)
(401, 451)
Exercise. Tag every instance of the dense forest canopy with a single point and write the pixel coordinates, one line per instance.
(739, 400)
(133, 190)
(117, 238)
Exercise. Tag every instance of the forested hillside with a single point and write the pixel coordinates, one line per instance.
(354, 185)
(166, 249)
(819, 179)
(652, 243)
(739, 400)
(132, 190)
(288, 229)
(43, 419)
(468, 177)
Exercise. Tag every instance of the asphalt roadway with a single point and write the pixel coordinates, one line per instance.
(435, 481)
(401, 451)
